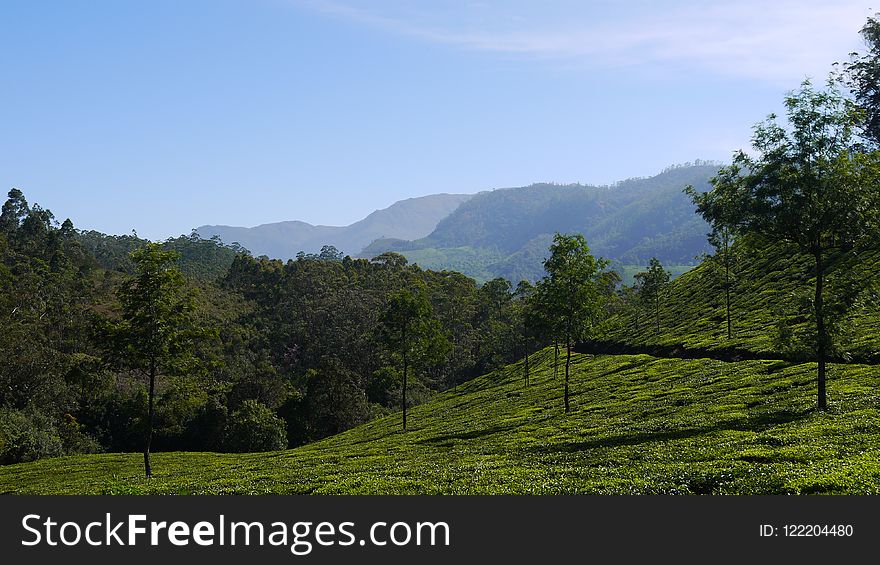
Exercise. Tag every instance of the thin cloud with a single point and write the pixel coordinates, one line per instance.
(774, 41)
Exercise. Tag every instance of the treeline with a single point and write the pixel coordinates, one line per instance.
(63, 388)
(286, 352)
(317, 322)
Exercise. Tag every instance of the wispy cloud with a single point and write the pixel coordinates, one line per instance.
(780, 41)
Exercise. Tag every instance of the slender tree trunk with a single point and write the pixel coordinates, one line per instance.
(403, 396)
(555, 359)
(821, 332)
(657, 312)
(150, 413)
(727, 287)
(567, 365)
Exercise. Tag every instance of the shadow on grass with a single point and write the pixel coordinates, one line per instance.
(466, 435)
(621, 369)
(756, 423)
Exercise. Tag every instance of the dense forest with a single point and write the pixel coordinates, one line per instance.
(287, 352)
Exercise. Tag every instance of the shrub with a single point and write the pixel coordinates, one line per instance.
(254, 427)
(74, 439)
(26, 437)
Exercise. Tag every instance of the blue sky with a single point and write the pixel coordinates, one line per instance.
(161, 116)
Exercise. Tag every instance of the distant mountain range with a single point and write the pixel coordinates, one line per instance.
(413, 218)
(506, 232)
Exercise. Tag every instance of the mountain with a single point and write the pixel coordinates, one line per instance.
(506, 232)
(412, 218)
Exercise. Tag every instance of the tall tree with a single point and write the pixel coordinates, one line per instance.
(156, 333)
(14, 211)
(573, 293)
(494, 322)
(862, 76)
(527, 323)
(721, 238)
(808, 185)
(409, 328)
(652, 285)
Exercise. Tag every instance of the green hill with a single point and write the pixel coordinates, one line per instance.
(770, 304)
(506, 232)
(638, 425)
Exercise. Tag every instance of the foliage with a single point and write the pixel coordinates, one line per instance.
(199, 259)
(301, 338)
(156, 332)
(571, 296)
(638, 425)
(410, 330)
(26, 437)
(809, 186)
(862, 76)
(254, 427)
(650, 287)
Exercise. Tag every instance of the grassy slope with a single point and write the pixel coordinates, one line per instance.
(638, 425)
(628, 272)
(770, 284)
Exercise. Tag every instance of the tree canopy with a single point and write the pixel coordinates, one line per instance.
(809, 183)
(156, 332)
(572, 293)
(411, 331)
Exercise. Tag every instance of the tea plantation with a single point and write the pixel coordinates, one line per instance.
(638, 424)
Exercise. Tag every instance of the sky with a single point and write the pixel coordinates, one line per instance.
(165, 115)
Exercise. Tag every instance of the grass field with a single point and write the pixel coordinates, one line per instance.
(638, 425)
(771, 288)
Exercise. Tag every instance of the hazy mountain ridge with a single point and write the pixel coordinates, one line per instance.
(506, 232)
(412, 218)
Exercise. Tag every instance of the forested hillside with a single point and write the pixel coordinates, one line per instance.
(506, 232)
(278, 353)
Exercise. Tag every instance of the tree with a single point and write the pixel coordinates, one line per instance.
(254, 427)
(156, 333)
(494, 324)
(652, 284)
(335, 399)
(862, 76)
(721, 238)
(14, 211)
(572, 293)
(526, 321)
(409, 329)
(809, 186)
